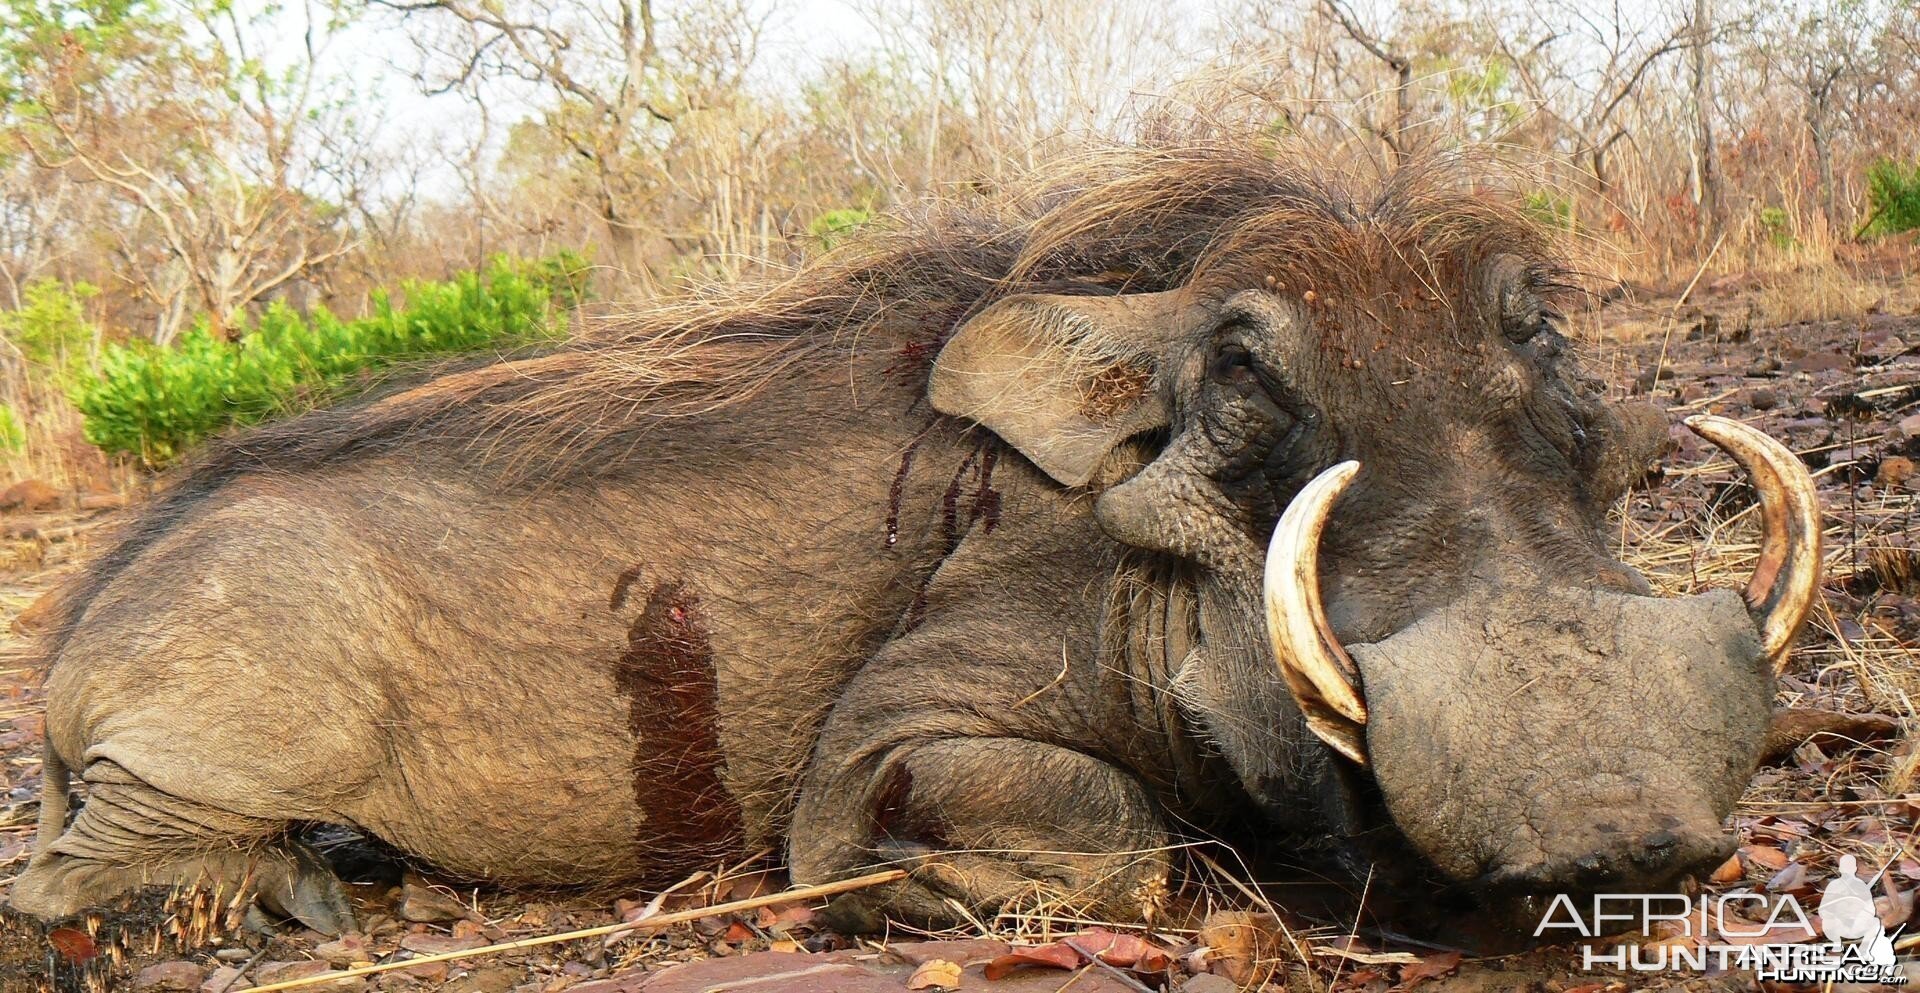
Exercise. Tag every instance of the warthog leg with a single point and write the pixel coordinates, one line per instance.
(984, 825)
(131, 835)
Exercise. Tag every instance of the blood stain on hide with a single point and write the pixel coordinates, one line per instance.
(986, 500)
(983, 508)
(897, 491)
(623, 585)
(894, 818)
(666, 674)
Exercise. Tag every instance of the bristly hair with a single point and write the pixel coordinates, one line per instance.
(1221, 213)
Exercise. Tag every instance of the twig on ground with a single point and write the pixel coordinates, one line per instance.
(1113, 970)
(664, 920)
(244, 966)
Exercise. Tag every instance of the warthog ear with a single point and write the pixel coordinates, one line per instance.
(1063, 379)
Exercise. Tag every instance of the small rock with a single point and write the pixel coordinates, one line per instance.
(1909, 426)
(233, 954)
(495, 979)
(268, 973)
(1894, 470)
(29, 494)
(440, 944)
(1207, 982)
(433, 972)
(1764, 366)
(1762, 398)
(967, 951)
(226, 978)
(344, 950)
(423, 904)
(176, 975)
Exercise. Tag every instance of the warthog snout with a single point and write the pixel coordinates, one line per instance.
(1549, 735)
(1625, 841)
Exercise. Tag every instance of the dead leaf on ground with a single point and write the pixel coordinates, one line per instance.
(1429, 967)
(73, 944)
(1126, 951)
(935, 974)
(1052, 956)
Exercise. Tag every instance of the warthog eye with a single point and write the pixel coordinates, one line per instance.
(1527, 327)
(1232, 365)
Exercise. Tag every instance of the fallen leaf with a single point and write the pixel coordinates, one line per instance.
(1765, 856)
(1113, 948)
(1124, 950)
(1896, 907)
(1730, 871)
(1789, 879)
(1051, 956)
(937, 974)
(74, 945)
(1429, 967)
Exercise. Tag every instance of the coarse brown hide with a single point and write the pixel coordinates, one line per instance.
(946, 552)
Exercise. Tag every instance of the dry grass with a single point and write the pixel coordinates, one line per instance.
(1820, 289)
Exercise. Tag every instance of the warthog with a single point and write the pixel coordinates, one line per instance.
(1189, 491)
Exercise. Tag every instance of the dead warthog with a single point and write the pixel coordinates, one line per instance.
(1190, 490)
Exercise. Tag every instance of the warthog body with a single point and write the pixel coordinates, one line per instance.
(948, 553)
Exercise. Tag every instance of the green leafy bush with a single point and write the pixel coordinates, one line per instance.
(834, 225)
(13, 436)
(50, 326)
(155, 402)
(1777, 226)
(1893, 197)
(1550, 209)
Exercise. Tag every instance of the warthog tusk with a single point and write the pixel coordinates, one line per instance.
(1788, 573)
(1316, 668)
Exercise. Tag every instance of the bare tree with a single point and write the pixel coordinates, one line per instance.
(1393, 134)
(1587, 95)
(216, 160)
(618, 90)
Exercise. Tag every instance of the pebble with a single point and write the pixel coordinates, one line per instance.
(1762, 398)
(423, 904)
(1894, 470)
(176, 975)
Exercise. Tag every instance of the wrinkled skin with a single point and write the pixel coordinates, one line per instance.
(1013, 643)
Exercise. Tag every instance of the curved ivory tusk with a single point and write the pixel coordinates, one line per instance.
(1788, 573)
(1316, 668)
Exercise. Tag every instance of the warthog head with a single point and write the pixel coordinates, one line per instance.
(1356, 432)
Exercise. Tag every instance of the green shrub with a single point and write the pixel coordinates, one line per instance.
(50, 327)
(1893, 198)
(155, 402)
(1777, 226)
(1550, 209)
(13, 437)
(833, 225)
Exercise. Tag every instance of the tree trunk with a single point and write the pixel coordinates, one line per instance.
(1706, 167)
(1818, 128)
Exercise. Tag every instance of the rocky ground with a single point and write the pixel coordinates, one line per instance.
(1845, 393)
